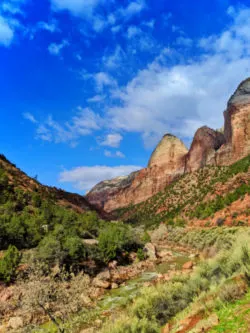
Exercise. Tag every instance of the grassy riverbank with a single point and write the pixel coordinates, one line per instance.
(216, 278)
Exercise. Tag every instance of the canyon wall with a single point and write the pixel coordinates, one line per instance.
(171, 159)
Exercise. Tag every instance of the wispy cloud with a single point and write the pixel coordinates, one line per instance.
(115, 59)
(83, 123)
(30, 117)
(6, 32)
(51, 26)
(56, 48)
(133, 8)
(116, 154)
(76, 7)
(112, 140)
(85, 177)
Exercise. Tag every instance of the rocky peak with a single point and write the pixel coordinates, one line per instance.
(206, 141)
(242, 94)
(169, 150)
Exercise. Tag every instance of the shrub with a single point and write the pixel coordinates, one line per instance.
(220, 221)
(146, 238)
(140, 255)
(114, 239)
(231, 292)
(9, 263)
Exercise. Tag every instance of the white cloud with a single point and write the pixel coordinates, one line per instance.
(115, 59)
(51, 26)
(83, 123)
(184, 41)
(30, 117)
(12, 7)
(97, 99)
(85, 177)
(44, 133)
(133, 31)
(180, 98)
(103, 80)
(140, 40)
(133, 8)
(117, 154)
(116, 29)
(76, 7)
(112, 140)
(6, 32)
(55, 49)
(10, 24)
(150, 24)
(98, 23)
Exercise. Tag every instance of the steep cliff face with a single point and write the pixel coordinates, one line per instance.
(166, 163)
(107, 190)
(205, 143)
(237, 126)
(171, 158)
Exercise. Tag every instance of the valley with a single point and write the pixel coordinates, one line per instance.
(163, 250)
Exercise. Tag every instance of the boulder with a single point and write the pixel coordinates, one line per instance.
(104, 275)
(150, 251)
(165, 254)
(188, 265)
(6, 294)
(113, 264)
(101, 284)
(15, 323)
(114, 285)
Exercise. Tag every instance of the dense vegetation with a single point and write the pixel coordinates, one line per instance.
(186, 198)
(29, 220)
(50, 239)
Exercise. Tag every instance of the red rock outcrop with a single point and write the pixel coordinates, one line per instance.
(205, 143)
(171, 158)
(166, 163)
(237, 126)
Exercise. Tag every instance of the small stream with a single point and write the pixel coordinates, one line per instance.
(119, 297)
(116, 298)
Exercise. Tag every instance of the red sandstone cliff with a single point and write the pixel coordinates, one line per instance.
(167, 163)
(171, 158)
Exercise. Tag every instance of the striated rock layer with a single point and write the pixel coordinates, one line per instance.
(171, 158)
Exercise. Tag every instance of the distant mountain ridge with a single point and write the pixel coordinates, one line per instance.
(171, 159)
(22, 181)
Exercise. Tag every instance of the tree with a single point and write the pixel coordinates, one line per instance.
(9, 263)
(113, 239)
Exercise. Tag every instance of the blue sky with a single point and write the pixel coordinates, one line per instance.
(88, 87)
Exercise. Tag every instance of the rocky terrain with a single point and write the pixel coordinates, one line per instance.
(171, 159)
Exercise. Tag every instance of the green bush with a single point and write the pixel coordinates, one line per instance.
(60, 248)
(140, 255)
(114, 239)
(9, 264)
